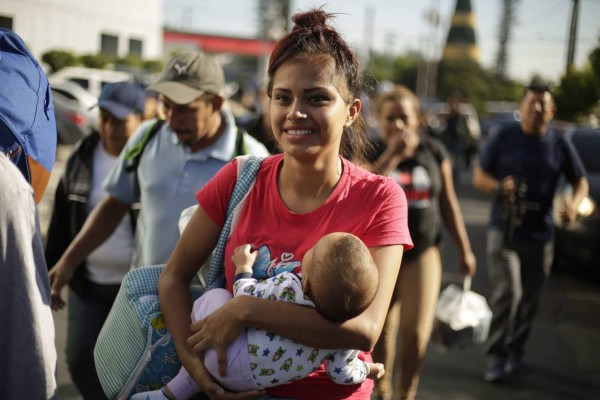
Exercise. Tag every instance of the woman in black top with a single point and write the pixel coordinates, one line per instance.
(421, 166)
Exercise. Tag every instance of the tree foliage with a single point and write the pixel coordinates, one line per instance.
(467, 78)
(400, 70)
(59, 59)
(95, 60)
(578, 93)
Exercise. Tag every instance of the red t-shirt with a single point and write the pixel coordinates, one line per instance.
(372, 207)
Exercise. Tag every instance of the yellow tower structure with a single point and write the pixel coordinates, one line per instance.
(461, 44)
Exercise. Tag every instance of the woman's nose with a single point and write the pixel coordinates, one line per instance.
(296, 113)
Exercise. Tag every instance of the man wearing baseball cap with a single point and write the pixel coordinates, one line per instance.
(96, 281)
(198, 138)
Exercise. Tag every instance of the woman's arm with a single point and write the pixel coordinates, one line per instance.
(193, 248)
(302, 324)
(453, 220)
(386, 162)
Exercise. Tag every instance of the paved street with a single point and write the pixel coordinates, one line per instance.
(563, 352)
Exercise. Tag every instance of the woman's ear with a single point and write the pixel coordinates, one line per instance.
(353, 112)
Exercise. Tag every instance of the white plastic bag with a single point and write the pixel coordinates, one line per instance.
(462, 317)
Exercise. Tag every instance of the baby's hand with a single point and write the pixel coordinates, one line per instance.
(243, 258)
(376, 370)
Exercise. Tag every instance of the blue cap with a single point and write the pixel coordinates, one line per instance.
(122, 98)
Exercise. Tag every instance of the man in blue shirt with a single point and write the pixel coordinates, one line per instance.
(521, 166)
(199, 138)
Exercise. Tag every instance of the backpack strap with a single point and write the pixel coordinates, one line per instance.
(245, 181)
(240, 147)
(134, 154)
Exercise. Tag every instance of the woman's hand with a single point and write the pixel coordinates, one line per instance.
(468, 264)
(217, 331)
(213, 389)
(59, 275)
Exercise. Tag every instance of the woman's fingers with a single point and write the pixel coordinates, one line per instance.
(222, 360)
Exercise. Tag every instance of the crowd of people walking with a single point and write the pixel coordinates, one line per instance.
(341, 228)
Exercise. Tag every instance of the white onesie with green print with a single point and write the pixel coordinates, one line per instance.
(275, 360)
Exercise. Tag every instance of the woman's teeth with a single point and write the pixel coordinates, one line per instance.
(299, 132)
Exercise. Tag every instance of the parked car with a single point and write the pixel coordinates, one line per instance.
(578, 244)
(75, 110)
(498, 114)
(91, 79)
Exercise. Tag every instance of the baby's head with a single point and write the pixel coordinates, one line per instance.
(340, 276)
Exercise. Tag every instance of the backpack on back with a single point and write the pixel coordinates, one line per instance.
(27, 122)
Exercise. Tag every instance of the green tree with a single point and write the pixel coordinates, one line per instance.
(577, 94)
(131, 60)
(401, 70)
(59, 59)
(153, 65)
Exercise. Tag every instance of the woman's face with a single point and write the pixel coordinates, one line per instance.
(308, 112)
(398, 119)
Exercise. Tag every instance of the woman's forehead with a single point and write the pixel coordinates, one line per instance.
(316, 68)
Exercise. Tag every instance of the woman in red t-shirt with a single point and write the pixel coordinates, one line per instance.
(309, 190)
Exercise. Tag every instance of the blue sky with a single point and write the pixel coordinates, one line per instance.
(539, 36)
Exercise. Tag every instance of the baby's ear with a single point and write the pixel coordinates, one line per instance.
(305, 284)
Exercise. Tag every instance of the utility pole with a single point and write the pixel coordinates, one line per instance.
(428, 56)
(508, 17)
(572, 35)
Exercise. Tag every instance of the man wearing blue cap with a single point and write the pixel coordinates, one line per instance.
(27, 152)
(95, 282)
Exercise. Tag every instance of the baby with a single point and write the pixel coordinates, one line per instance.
(339, 279)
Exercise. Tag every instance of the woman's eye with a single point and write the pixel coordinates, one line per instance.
(319, 99)
(281, 98)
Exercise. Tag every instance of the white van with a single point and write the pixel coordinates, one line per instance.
(91, 79)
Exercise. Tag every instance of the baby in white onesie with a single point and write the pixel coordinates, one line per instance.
(259, 359)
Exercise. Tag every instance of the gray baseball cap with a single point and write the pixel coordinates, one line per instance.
(188, 75)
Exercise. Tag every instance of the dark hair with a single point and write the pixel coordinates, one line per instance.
(345, 282)
(312, 36)
(398, 93)
(538, 86)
